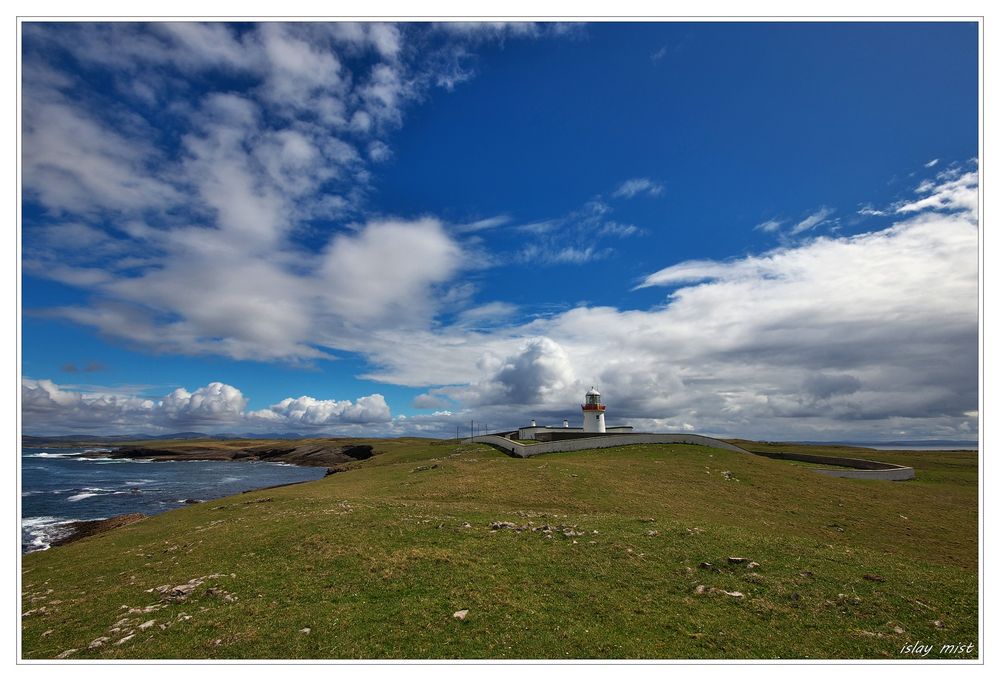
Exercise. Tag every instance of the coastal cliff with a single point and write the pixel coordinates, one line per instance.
(323, 453)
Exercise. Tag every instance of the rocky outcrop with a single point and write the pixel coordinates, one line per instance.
(88, 528)
(326, 454)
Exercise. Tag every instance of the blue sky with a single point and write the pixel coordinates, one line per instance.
(744, 229)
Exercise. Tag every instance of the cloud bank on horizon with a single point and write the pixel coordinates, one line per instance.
(210, 199)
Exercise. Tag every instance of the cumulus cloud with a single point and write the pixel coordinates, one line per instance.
(215, 403)
(872, 335)
(51, 409)
(220, 242)
(309, 412)
(204, 240)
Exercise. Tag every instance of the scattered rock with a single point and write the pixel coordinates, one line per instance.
(66, 653)
(737, 561)
(98, 642)
(47, 632)
(466, 526)
(461, 615)
(503, 525)
(805, 574)
(938, 624)
(875, 578)
(653, 533)
(701, 590)
(706, 566)
(424, 468)
(753, 565)
(734, 594)
(305, 630)
(123, 640)
(647, 520)
(262, 500)
(728, 475)
(181, 591)
(898, 630)
(146, 625)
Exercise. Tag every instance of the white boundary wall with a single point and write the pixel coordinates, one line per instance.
(872, 470)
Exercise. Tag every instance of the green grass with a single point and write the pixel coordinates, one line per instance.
(375, 560)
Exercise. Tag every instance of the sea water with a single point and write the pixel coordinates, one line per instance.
(61, 486)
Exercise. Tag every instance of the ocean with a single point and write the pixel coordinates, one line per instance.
(59, 486)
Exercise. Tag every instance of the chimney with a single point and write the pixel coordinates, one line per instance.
(565, 423)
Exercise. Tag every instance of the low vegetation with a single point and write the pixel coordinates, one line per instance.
(657, 551)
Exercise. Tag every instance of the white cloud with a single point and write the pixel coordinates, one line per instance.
(812, 221)
(769, 226)
(552, 254)
(308, 412)
(200, 250)
(869, 210)
(73, 164)
(216, 403)
(484, 224)
(619, 230)
(930, 164)
(639, 185)
(873, 335)
(387, 271)
(49, 408)
(958, 194)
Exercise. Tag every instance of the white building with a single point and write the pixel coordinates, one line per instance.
(593, 424)
(593, 412)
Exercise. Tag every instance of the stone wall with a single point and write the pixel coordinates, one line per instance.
(864, 469)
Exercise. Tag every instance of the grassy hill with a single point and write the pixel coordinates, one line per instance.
(374, 561)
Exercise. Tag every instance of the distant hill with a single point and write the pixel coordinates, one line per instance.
(895, 443)
(85, 439)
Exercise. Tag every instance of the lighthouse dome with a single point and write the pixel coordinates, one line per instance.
(593, 391)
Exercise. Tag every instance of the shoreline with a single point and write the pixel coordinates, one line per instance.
(48, 532)
(322, 454)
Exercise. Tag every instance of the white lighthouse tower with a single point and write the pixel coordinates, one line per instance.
(593, 412)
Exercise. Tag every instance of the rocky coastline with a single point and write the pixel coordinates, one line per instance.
(335, 456)
(327, 454)
(81, 529)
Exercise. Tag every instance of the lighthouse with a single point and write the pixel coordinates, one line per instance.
(593, 412)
